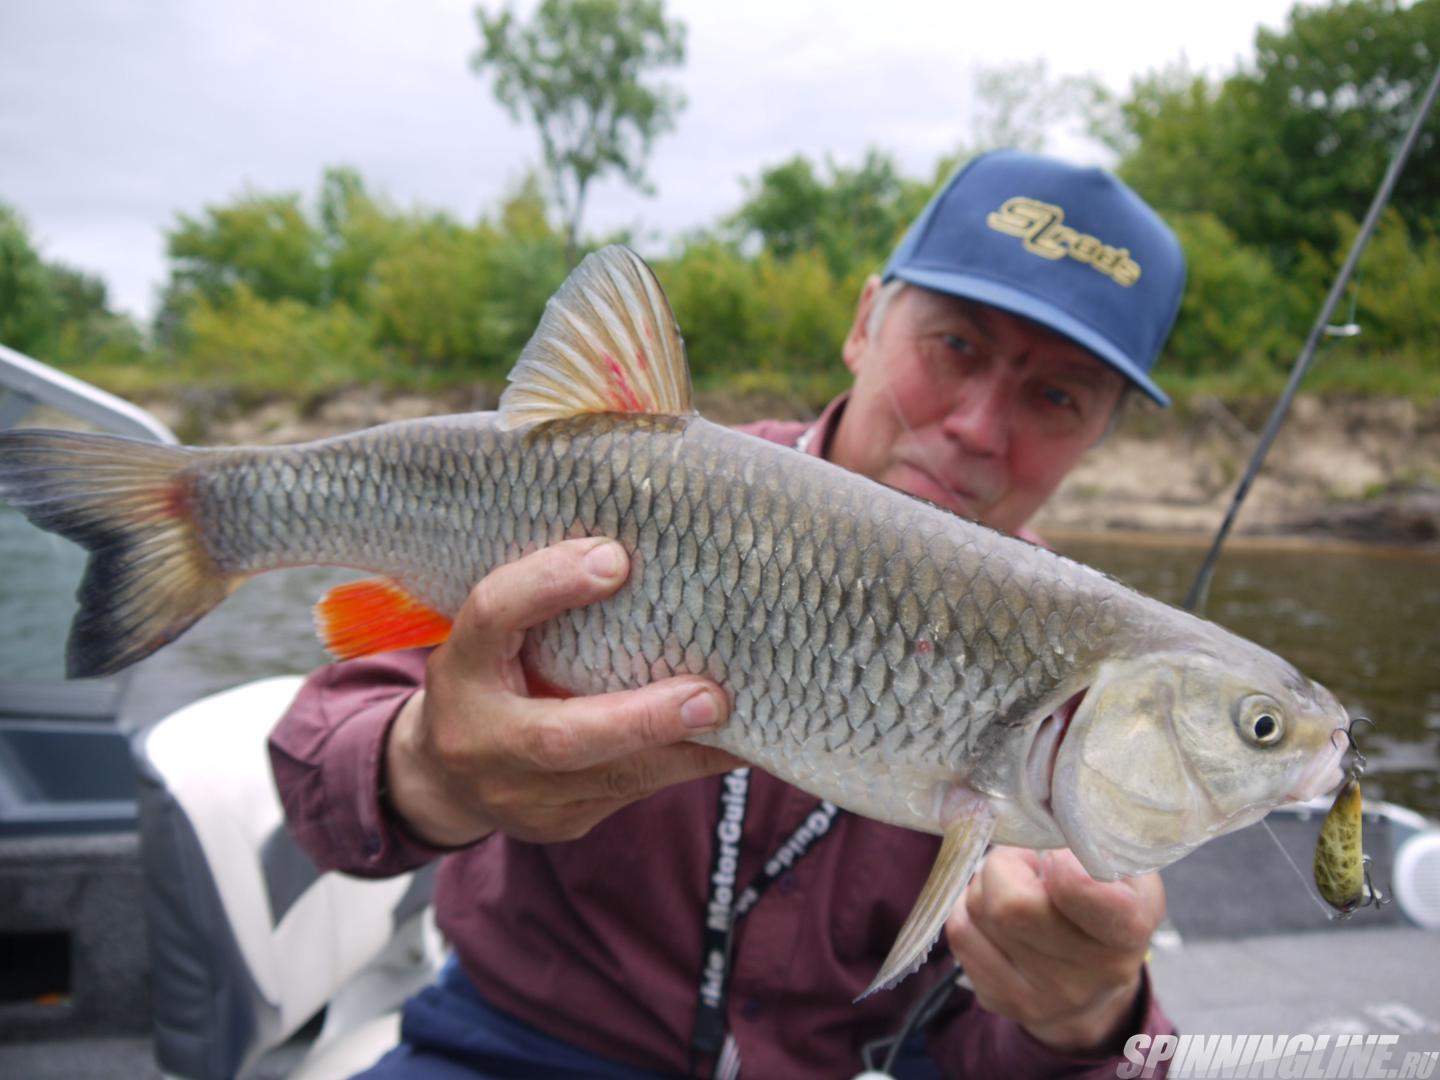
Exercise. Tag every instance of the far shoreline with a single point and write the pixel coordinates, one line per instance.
(1345, 472)
(1289, 542)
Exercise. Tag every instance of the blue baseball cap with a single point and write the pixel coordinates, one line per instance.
(1070, 248)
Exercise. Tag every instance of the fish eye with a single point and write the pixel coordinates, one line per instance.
(1260, 722)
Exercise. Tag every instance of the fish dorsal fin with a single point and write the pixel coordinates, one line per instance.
(969, 824)
(606, 343)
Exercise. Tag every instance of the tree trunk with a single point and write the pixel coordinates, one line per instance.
(572, 235)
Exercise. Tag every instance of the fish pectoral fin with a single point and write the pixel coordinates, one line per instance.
(376, 615)
(607, 342)
(965, 838)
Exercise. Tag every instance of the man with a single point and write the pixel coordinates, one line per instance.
(1018, 311)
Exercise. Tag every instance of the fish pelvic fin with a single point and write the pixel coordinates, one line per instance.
(971, 823)
(376, 615)
(128, 502)
(608, 342)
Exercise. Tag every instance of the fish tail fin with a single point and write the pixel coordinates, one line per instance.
(129, 503)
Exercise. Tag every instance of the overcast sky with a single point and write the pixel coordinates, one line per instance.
(115, 115)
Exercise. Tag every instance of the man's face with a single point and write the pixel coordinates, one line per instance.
(968, 406)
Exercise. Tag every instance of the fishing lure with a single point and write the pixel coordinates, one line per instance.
(1339, 859)
(1342, 869)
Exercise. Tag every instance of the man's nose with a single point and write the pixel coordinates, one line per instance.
(980, 417)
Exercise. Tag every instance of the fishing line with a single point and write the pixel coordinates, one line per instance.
(1305, 882)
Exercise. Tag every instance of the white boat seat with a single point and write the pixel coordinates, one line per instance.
(248, 940)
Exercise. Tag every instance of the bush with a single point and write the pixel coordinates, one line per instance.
(278, 346)
(427, 301)
(713, 291)
(1235, 314)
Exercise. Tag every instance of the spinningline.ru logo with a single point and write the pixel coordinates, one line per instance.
(1293, 1057)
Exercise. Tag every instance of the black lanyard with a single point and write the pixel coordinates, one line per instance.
(724, 906)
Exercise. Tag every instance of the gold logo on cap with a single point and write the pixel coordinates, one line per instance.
(1038, 224)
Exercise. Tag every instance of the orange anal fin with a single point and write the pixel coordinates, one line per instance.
(376, 615)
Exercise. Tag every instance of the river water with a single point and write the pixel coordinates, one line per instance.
(1366, 623)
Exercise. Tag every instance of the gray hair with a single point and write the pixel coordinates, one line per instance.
(884, 297)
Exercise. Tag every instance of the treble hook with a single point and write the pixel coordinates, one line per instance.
(1373, 895)
(1370, 896)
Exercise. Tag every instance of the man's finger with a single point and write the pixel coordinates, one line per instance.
(997, 980)
(518, 595)
(1013, 889)
(648, 771)
(1121, 914)
(579, 733)
(1010, 902)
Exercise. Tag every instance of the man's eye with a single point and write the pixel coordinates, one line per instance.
(959, 344)
(1058, 397)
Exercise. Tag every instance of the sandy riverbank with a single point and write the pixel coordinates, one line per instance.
(1358, 470)
(1352, 470)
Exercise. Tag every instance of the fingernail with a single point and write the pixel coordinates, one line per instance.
(700, 711)
(603, 560)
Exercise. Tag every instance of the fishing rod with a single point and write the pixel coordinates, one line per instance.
(1199, 590)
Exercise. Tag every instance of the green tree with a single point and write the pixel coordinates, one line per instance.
(576, 71)
(55, 312)
(89, 331)
(81, 296)
(277, 346)
(280, 248)
(265, 242)
(30, 309)
(1233, 314)
(428, 298)
(1171, 135)
(526, 262)
(717, 302)
(1019, 105)
(356, 231)
(1302, 134)
(1392, 296)
(850, 216)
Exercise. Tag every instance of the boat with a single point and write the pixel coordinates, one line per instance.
(157, 919)
(155, 916)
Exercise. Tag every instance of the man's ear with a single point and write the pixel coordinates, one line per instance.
(859, 336)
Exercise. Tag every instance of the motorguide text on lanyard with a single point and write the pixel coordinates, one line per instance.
(723, 909)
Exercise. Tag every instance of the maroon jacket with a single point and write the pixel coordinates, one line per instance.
(597, 941)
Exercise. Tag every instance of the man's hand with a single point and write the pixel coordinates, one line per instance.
(1051, 948)
(472, 751)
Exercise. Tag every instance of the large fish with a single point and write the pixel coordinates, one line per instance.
(881, 652)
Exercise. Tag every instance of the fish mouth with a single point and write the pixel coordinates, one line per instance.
(1323, 773)
(1045, 753)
